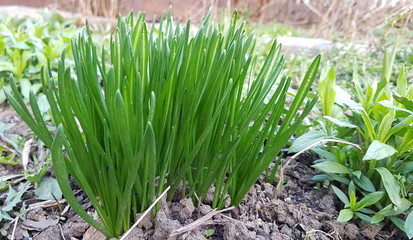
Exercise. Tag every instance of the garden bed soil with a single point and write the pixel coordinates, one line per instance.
(8, 115)
(301, 211)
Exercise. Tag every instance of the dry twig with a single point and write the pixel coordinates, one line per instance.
(46, 204)
(144, 214)
(16, 220)
(26, 153)
(198, 222)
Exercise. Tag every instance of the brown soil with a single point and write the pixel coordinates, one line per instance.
(8, 115)
(302, 211)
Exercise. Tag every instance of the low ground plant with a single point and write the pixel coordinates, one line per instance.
(377, 172)
(27, 44)
(169, 109)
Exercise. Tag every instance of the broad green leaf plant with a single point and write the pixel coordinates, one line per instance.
(169, 109)
(379, 176)
(27, 44)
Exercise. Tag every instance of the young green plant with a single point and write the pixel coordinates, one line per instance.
(170, 108)
(379, 175)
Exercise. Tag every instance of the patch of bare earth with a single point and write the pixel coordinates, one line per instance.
(8, 115)
(301, 212)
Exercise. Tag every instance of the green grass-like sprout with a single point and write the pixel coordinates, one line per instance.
(172, 109)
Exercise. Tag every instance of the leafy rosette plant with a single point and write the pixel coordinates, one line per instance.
(375, 163)
(170, 108)
(27, 44)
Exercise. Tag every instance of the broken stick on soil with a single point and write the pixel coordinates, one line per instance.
(198, 222)
(145, 213)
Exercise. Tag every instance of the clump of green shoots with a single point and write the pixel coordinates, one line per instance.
(172, 109)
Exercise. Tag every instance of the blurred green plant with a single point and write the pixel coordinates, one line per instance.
(174, 109)
(27, 44)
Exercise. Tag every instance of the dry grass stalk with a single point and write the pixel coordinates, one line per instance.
(104, 8)
(350, 18)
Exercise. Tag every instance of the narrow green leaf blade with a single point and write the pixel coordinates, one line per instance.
(306, 140)
(331, 167)
(327, 92)
(391, 185)
(369, 200)
(341, 195)
(408, 225)
(60, 169)
(339, 122)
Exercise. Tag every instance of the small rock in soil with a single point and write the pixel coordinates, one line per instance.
(146, 222)
(50, 233)
(75, 227)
